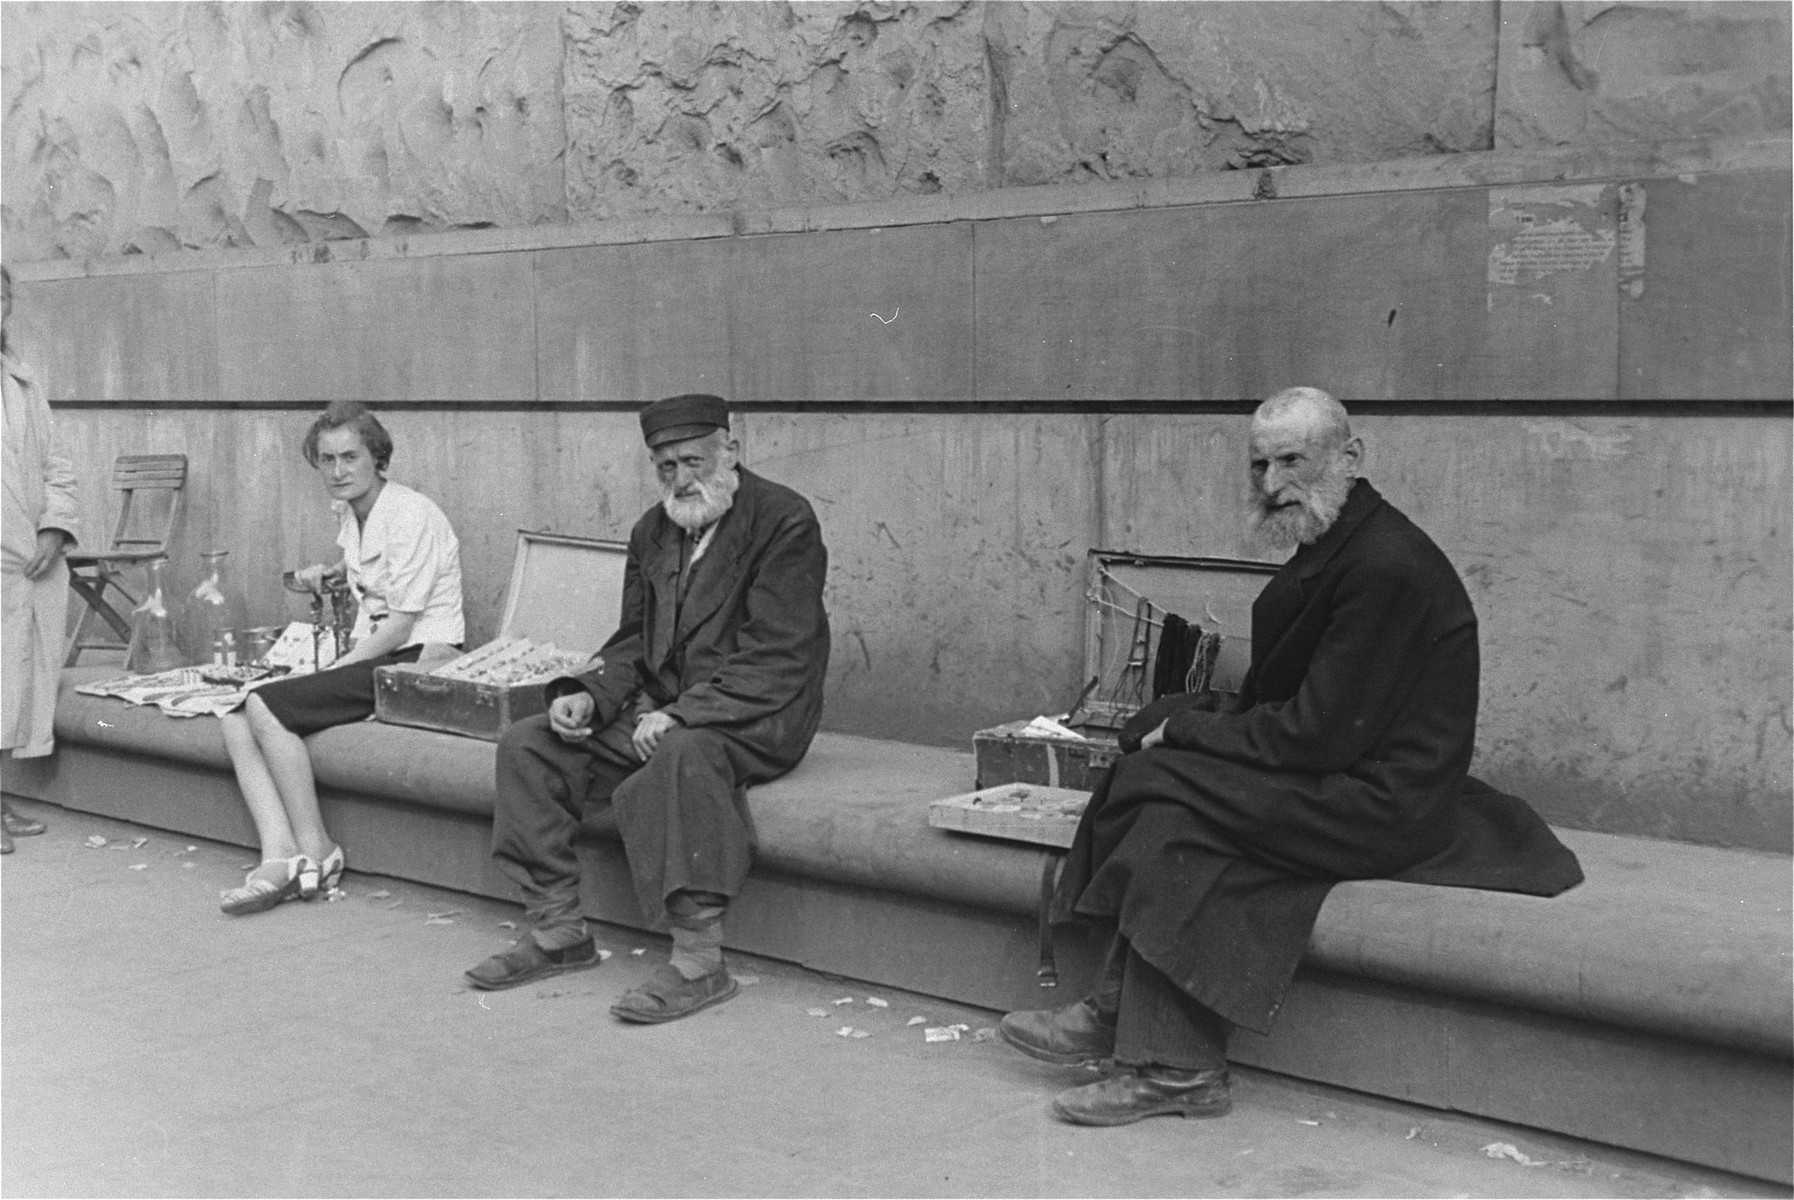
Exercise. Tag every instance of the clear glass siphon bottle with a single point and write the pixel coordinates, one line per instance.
(155, 628)
(214, 614)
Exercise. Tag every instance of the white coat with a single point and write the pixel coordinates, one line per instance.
(39, 493)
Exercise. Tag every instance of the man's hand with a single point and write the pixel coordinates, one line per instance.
(650, 727)
(1156, 737)
(50, 543)
(570, 716)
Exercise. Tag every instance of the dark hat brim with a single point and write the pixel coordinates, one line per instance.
(680, 433)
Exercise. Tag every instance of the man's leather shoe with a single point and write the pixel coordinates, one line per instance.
(1071, 1036)
(1133, 1093)
(18, 824)
(526, 962)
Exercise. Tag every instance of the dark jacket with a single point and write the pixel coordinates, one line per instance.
(747, 650)
(1348, 758)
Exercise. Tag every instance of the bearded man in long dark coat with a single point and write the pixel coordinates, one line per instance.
(1212, 842)
(712, 682)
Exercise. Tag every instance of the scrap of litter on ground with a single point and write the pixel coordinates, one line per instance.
(957, 1031)
(1509, 1150)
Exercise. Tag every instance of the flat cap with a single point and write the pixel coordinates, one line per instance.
(680, 417)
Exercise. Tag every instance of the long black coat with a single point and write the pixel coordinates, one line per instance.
(1348, 758)
(747, 651)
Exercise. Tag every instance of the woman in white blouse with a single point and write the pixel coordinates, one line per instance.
(402, 562)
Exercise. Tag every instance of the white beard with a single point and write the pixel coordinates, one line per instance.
(715, 497)
(1304, 524)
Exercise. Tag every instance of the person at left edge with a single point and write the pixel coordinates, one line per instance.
(42, 517)
(713, 681)
(402, 561)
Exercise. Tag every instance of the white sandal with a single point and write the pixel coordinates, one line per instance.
(265, 888)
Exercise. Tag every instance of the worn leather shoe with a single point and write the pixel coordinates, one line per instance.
(1133, 1093)
(526, 962)
(18, 824)
(1072, 1036)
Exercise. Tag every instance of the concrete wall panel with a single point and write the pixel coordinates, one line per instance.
(879, 315)
(634, 322)
(1376, 297)
(415, 329)
(956, 557)
(134, 337)
(884, 314)
(1716, 248)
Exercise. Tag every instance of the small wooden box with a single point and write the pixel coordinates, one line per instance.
(1011, 754)
(565, 590)
(1125, 603)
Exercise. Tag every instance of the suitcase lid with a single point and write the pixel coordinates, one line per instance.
(564, 589)
(1126, 601)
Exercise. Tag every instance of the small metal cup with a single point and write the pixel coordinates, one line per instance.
(260, 640)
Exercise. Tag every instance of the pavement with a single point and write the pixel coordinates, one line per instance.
(151, 1046)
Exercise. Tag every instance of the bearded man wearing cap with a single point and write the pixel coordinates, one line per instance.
(712, 682)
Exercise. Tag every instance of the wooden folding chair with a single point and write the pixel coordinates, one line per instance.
(144, 527)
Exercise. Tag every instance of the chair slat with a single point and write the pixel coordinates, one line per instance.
(149, 475)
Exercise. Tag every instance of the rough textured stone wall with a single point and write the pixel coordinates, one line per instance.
(149, 127)
(1114, 91)
(690, 108)
(1580, 71)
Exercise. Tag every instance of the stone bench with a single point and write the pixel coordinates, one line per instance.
(1649, 1008)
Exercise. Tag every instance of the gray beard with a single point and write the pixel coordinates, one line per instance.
(1304, 524)
(715, 497)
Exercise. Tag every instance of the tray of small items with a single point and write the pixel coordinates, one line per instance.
(565, 599)
(1017, 812)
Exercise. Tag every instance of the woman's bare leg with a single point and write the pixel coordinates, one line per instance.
(288, 763)
(258, 787)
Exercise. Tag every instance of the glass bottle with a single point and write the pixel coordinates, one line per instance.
(155, 629)
(214, 615)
